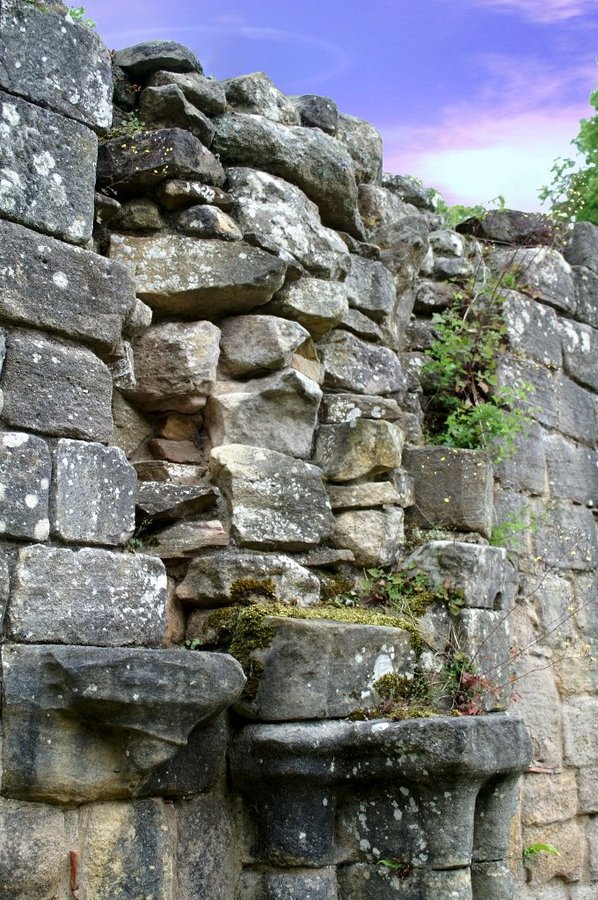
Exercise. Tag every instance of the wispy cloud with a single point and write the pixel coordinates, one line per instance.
(543, 12)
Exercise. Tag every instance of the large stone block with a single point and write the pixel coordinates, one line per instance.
(280, 217)
(572, 470)
(205, 93)
(582, 246)
(525, 470)
(51, 285)
(166, 106)
(540, 403)
(565, 537)
(94, 495)
(453, 489)
(306, 157)
(539, 706)
(364, 144)
(56, 63)
(351, 364)
(371, 288)
(258, 344)
(587, 780)
(586, 290)
(567, 837)
(363, 496)
(199, 279)
(316, 304)
(274, 501)
(208, 855)
(257, 94)
(303, 885)
(34, 850)
(339, 408)
(53, 387)
(580, 729)
(483, 636)
(479, 572)
(541, 271)
(148, 57)
(360, 881)
(87, 597)
(48, 170)
(25, 473)
(532, 329)
(374, 536)
(278, 412)
(580, 348)
(360, 449)
(548, 798)
(575, 407)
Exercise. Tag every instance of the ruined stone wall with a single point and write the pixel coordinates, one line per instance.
(212, 425)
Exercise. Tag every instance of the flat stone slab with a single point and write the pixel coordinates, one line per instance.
(374, 536)
(162, 500)
(25, 473)
(88, 596)
(339, 408)
(47, 284)
(360, 449)
(258, 344)
(199, 278)
(47, 166)
(55, 63)
(351, 364)
(56, 388)
(479, 572)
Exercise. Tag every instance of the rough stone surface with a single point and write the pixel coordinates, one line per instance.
(258, 344)
(317, 112)
(278, 412)
(318, 885)
(479, 572)
(208, 855)
(203, 278)
(212, 577)
(133, 164)
(47, 165)
(159, 500)
(572, 470)
(87, 597)
(374, 536)
(541, 272)
(175, 365)
(209, 222)
(34, 847)
(582, 246)
(317, 305)
(274, 501)
(185, 539)
(568, 865)
(374, 882)
(511, 226)
(525, 318)
(257, 94)
(548, 798)
(353, 365)
(580, 343)
(130, 429)
(84, 511)
(586, 288)
(283, 220)
(53, 387)
(306, 157)
(453, 488)
(364, 145)
(361, 325)
(370, 288)
(204, 93)
(339, 408)
(143, 59)
(363, 496)
(409, 189)
(140, 214)
(588, 789)
(25, 472)
(359, 449)
(565, 537)
(580, 730)
(167, 107)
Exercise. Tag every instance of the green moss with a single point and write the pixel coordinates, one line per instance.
(245, 590)
(250, 633)
(335, 586)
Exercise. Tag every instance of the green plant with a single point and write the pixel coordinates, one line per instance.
(454, 215)
(531, 853)
(130, 125)
(408, 594)
(77, 14)
(400, 868)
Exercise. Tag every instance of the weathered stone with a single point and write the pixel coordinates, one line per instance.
(198, 278)
(122, 368)
(278, 412)
(572, 470)
(138, 318)
(186, 539)
(221, 579)
(83, 510)
(397, 228)
(580, 347)
(181, 452)
(208, 856)
(483, 636)
(131, 165)
(204, 93)
(324, 556)
(370, 288)
(525, 470)
(159, 500)
(409, 190)
(320, 669)
(167, 107)
(541, 272)
(582, 246)
(525, 318)
(359, 449)
(257, 94)
(179, 427)
(315, 885)
(283, 220)
(161, 471)
(56, 64)
(43, 378)
(374, 536)
(565, 537)
(177, 193)
(128, 851)
(34, 850)
(25, 473)
(105, 208)
(47, 165)
(539, 707)
(362, 496)
(259, 343)
(317, 305)
(587, 780)
(580, 730)
(447, 243)
(568, 864)
(360, 881)
(353, 365)
(434, 296)
(274, 501)
(548, 798)
(209, 222)
(89, 723)
(139, 214)
(586, 289)
(130, 429)
(478, 572)
(364, 144)
(453, 488)
(175, 365)
(307, 157)
(317, 112)
(143, 59)
(521, 373)
(361, 325)
(197, 766)
(87, 597)
(511, 226)
(339, 408)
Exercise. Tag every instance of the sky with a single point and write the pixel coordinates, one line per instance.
(475, 97)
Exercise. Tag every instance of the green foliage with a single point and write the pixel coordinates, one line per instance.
(573, 191)
(407, 594)
(130, 125)
(531, 853)
(75, 13)
(464, 406)
(454, 215)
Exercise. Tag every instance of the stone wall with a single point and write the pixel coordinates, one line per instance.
(212, 424)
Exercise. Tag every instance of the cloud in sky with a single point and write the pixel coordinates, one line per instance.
(543, 12)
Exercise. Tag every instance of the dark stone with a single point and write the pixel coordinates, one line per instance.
(34, 849)
(204, 93)
(586, 295)
(133, 164)
(434, 296)
(140, 214)
(143, 59)
(47, 284)
(177, 194)
(510, 226)
(196, 768)
(125, 92)
(55, 64)
(575, 408)
(25, 473)
(316, 885)
(317, 112)
(582, 247)
(167, 107)
(375, 882)
(409, 189)
(43, 378)
(105, 208)
(580, 351)
(208, 855)
(48, 166)
(208, 222)
(161, 500)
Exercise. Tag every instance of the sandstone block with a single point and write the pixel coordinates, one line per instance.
(580, 729)
(199, 279)
(283, 220)
(364, 144)
(274, 501)
(317, 305)
(139, 214)
(374, 536)
(539, 706)
(141, 60)
(363, 496)
(87, 597)
(25, 473)
(565, 537)
(580, 343)
(548, 798)
(255, 344)
(162, 471)
(167, 107)
(339, 408)
(208, 855)
(53, 387)
(224, 578)
(541, 271)
(162, 500)
(587, 780)
(130, 428)
(278, 412)
(84, 511)
(353, 365)
(359, 449)
(479, 572)
(483, 636)
(175, 365)
(541, 401)
(360, 881)
(186, 539)
(180, 452)
(48, 166)
(258, 95)
(316, 885)
(572, 470)
(526, 469)
(567, 837)
(575, 407)
(34, 849)
(204, 93)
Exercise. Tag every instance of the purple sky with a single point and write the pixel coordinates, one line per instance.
(476, 97)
